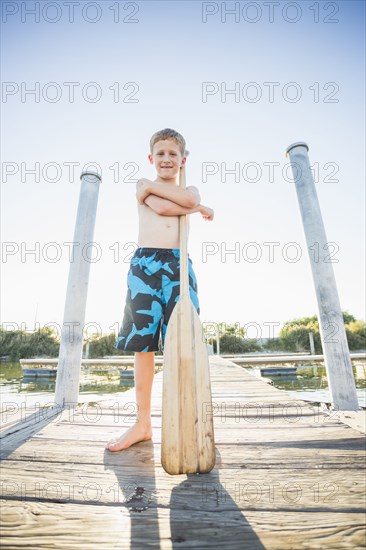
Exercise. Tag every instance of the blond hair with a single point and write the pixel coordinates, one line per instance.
(168, 133)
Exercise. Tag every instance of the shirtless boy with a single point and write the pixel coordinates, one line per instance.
(153, 278)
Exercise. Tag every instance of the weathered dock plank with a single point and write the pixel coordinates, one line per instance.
(288, 475)
(70, 526)
(117, 527)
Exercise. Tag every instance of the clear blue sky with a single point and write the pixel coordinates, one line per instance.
(169, 52)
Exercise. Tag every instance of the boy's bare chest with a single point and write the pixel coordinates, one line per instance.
(150, 219)
(158, 229)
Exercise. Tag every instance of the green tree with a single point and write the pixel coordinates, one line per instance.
(294, 335)
(21, 344)
(356, 335)
(104, 345)
(230, 343)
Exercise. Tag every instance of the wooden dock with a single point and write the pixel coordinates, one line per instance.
(288, 476)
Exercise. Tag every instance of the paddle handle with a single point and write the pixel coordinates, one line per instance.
(183, 238)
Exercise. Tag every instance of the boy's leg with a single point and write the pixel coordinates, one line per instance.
(141, 430)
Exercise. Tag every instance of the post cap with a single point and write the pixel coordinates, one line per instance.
(91, 173)
(296, 144)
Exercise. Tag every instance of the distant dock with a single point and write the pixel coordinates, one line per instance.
(48, 367)
(298, 358)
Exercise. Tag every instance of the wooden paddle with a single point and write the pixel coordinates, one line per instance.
(187, 445)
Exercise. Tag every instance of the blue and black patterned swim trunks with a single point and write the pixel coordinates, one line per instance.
(153, 290)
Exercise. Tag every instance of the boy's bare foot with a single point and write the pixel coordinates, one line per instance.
(137, 432)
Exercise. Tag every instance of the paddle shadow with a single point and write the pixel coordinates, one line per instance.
(203, 514)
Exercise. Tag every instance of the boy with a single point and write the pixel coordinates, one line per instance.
(153, 278)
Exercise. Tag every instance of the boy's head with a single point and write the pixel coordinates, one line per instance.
(168, 153)
(170, 134)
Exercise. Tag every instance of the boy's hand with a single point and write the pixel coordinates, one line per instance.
(207, 213)
(142, 190)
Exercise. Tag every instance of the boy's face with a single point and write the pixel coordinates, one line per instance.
(167, 158)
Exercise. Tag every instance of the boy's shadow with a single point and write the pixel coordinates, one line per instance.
(202, 513)
(134, 469)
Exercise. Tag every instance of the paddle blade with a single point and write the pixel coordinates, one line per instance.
(187, 425)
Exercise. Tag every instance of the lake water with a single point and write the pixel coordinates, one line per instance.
(309, 384)
(95, 385)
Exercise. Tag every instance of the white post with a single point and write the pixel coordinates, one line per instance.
(337, 360)
(311, 341)
(71, 346)
(218, 342)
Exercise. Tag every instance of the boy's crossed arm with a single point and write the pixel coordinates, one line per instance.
(165, 207)
(188, 197)
(168, 200)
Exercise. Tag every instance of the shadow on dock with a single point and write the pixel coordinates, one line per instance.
(18, 433)
(202, 496)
